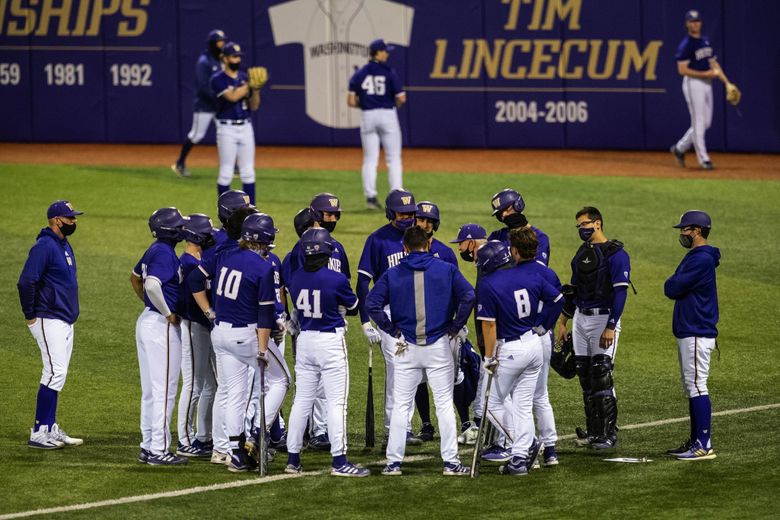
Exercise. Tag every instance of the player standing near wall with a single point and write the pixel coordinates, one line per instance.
(236, 101)
(698, 65)
(694, 323)
(377, 90)
(204, 103)
(49, 294)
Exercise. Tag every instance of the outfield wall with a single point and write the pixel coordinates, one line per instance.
(596, 74)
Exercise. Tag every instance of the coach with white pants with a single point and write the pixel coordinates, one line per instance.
(430, 301)
(694, 323)
(49, 294)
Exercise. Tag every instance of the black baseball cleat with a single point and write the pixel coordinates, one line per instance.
(680, 156)
(607, 442)
(373, 203)
(583, 439)
(426, 432)
(707, 166)
(180, 170)
(682, 449)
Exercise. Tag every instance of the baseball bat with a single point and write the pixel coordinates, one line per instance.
(477, 455)
(262, 466)
(370, 400)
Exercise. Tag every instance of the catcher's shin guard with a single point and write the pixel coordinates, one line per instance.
(582, 365)
(603, 399)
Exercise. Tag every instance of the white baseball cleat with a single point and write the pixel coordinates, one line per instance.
(469, 435)
(220, 458)
(44, 440)
(63, 437)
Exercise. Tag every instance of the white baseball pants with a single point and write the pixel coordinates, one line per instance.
(55, 339)
(695, 354)
(545, 419)
(200, 125)
(698, 95)
(320, 356)
(389, 346)
(586, 332)
(380, 126)
(519, 364)
(433, 362)
(277, 382)
(319, 413)
(198, 383)
(159, 361)
(236, 145)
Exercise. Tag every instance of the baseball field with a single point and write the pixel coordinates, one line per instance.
(640, 195)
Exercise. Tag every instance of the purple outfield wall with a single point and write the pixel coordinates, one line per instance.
(596, 74)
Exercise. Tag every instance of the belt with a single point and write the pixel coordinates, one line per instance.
(234, 122)
(523, 337)
(227, 325)
(594, 312)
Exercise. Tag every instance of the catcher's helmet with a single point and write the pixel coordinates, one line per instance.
(229, 202)
(562, 358)
(326, 202)
(216, 35)
(505, 198)
(259, 228)
(167, 223)
(492, 255)
(399, 201)
(199, 230)
(305, 219)
(694, 217)
(429, 210)
(316, 241)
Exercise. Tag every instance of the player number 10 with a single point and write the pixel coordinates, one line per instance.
(68, 74)
(131, 75)
(228, 283)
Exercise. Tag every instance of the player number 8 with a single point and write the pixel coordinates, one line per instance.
(523, 303)
(374, 85)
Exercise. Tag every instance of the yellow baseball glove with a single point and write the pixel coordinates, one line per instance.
(258, 76)
(733, 94)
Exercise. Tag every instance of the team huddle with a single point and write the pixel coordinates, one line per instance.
(219, 315)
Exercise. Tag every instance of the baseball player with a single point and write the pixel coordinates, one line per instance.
(384, 249)
(430, 302)
(204, 103)
(470, 238)
(698, 65)
(509, 309)
(198, 378)
(244, 316)
(508, 207)
(601, 274)
(235, 137)
(318, 292)
(377, 90)
(49, 295)
(156, 281)
(694, 323)
(428, 218)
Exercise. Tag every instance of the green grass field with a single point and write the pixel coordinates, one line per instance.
(100, 401)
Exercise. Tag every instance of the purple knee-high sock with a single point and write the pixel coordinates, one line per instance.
(702, 409)
(692, 414)
(46, 407)
(249, 189)
(222, 189)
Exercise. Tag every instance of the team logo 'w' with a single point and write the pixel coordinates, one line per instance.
(426, 208)
(334, 203)
(70, 206)
(406, 200)
(246, 199)
(496, 203)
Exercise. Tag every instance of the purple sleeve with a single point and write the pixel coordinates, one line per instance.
(365, 274)
(354, 82)
(688, 275)
(368, 263)
(347, 298)
(196, 280)
(33, 269)
(486, 308)
(683, 53)
(618, 304)
(203, 77)
(218, 84)
(464, 294)
(620, 269)
(362, 294)
(553, 304)
(345, 264)
(375, 305)
(266, 299)
(398, 87)
(162, 267)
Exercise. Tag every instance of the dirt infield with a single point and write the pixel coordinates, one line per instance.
(559, 162)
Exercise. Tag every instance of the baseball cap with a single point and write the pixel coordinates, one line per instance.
(470, 232)
(694, 217)
(692, 16)
(216, 35)
(62, 208)
(232, 49)
(379, 45)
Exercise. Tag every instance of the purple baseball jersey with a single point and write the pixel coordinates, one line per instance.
(160, 262)
(317, 295)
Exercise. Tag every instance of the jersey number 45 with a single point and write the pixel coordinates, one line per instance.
(374, 85)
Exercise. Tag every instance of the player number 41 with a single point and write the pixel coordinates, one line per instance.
(309, 308)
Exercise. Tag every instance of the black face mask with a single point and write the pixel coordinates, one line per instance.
(234, 66)
(515, 220)
(315, 262)
(208, 242)
(468, 256)
(68, 229)
(686, 241)
(586, 233)
(214, 50)
(330, 226)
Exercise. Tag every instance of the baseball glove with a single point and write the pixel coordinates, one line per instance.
(258, 76)
(733, 94)
(562, 358)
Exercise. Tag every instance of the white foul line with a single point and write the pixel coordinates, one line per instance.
(284, 476)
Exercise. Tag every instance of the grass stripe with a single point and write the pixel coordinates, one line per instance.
(284, 476)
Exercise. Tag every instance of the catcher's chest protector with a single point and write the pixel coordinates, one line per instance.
(592, 270)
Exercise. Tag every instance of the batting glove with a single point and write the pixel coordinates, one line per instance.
(401, 344)
(210, 314)
(490, 365)
(371, 333)
(539, 330)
